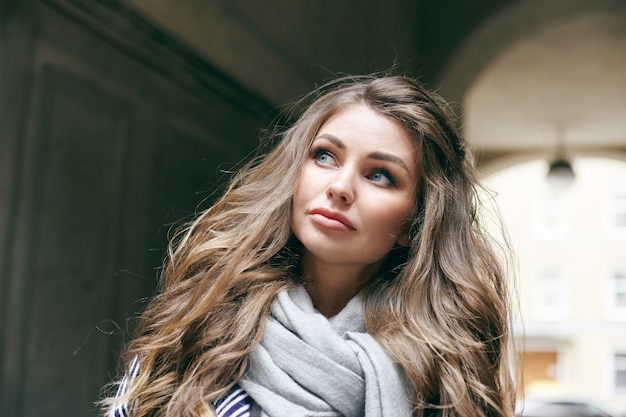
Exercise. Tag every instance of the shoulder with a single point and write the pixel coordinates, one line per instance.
(120, 409)
(235, 403)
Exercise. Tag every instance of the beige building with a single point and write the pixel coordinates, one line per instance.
(570, 242)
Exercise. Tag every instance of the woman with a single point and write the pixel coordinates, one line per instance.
(343, 273)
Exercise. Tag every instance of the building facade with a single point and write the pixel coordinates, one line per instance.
(570, 242)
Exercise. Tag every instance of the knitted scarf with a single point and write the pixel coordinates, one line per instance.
(308, 365)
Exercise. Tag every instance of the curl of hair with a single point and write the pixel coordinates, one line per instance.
(439, 308)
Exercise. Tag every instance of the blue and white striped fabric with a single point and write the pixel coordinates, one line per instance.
(121, 410)
(235, 403)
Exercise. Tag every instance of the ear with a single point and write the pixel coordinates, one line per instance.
(404, 240)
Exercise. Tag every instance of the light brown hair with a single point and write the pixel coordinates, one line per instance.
(440, 308)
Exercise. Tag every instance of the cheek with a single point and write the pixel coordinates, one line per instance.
(308, 186)
(301, 198)
(396, 218)
(299, 195)
(301, 185)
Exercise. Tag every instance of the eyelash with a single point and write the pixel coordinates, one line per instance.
(386, 173)
(316, 153)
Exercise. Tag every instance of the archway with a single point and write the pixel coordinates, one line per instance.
(537, 71)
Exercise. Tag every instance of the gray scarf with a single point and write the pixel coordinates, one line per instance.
(308, 365)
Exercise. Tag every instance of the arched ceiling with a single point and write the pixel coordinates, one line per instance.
(566, 77)
(519, 71)
(281, 49)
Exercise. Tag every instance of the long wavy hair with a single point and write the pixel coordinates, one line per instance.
(440, 308)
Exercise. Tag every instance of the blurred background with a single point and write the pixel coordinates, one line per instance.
(120, 119)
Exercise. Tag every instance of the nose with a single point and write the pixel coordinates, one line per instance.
(341, 187)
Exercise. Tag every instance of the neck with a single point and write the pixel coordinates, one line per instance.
(332, 286)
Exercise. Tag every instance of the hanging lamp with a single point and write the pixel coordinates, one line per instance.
(560, 171)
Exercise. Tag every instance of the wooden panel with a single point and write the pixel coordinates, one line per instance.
(122, 134)
(186, 174)
(16, 46)
(80, 154)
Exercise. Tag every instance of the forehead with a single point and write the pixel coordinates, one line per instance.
(362, 127)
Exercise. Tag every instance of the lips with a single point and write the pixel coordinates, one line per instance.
(331, 220)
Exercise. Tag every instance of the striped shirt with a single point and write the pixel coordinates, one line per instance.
(235, 403)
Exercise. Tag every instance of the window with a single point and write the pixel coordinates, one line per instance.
(617, 294)
(616, 215)
(550, 294)
(620, 372)
(551, 215)
(619, 280)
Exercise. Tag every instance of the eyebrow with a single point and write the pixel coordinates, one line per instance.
(382, 156)
(333, 139)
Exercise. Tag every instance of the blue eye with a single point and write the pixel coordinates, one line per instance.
(323, 157)
(382, 177)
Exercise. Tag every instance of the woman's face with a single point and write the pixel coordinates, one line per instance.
(357, 189)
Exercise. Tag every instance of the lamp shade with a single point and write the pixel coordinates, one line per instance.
(561, 172)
